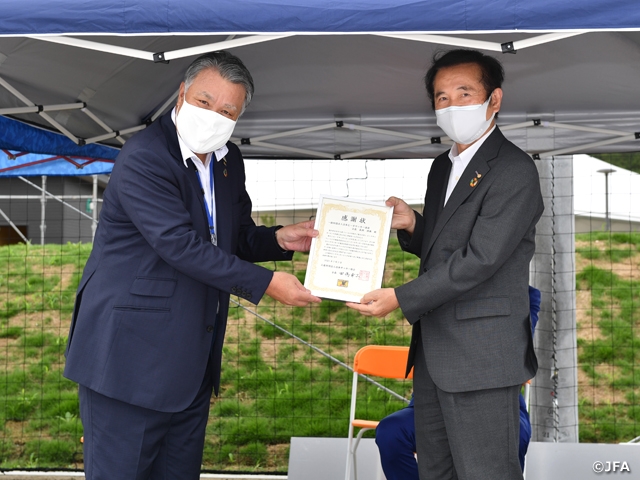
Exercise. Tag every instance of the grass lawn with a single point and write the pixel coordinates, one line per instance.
(273, 386)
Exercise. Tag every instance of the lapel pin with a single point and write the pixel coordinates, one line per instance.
(478, 175)
(473, 182)
(224, 172)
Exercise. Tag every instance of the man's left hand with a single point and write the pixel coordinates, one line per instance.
(378, 303)
(296, 237)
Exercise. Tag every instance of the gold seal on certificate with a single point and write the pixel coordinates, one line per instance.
(347, 259)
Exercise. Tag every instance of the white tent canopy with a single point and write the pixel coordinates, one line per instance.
(332, 81)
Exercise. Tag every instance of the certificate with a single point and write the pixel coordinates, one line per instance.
(346, 259)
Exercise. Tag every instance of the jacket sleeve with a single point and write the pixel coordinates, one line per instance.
(150, 195)
(255, 243)
(412, 243)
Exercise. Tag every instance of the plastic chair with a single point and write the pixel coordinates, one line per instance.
(378, 361)
(527, 395)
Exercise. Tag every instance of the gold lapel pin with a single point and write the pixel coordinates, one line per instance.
(473, 182)
(478, 175)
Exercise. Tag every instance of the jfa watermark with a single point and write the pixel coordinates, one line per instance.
(611, 467)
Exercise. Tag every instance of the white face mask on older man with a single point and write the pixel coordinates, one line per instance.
(464, 124)
(203, 130)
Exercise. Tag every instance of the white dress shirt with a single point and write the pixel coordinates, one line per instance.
(203, 170)
(459, 162)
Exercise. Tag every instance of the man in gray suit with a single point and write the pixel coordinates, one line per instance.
(471, 345)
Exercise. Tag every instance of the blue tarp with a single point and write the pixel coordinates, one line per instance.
(49, 153)
(326, 16)
(22, 164)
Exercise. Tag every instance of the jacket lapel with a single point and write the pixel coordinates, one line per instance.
(191, 171)
(171, 134)
(436, 191)
(223, 208)
(475, 172)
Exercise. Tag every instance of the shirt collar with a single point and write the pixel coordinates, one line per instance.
(468, 154)
(187, 153)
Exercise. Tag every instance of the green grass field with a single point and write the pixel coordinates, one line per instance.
(274, 387)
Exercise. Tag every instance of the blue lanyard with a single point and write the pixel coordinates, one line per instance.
(212, 230)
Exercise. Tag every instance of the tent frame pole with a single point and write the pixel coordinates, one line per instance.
(43, 210)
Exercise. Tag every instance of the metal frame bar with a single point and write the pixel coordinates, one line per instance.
(44, 115)
(164, 106)
(150, 56)
(422, 140)
(95, 118)
(232, 42)
(299, 131)
(610, 141)
(116, 134)
(482, 44)
(13, 225)
(581, 128)
(43, 210)
(41, 108)
(55, 198)
(89, 45)
(445, 40)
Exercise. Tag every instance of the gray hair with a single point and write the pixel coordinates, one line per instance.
(228, 66)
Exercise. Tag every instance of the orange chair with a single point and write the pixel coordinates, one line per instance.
(378, 361)
(527, 395)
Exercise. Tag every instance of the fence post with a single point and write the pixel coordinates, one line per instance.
(554, 392)
(43, 209)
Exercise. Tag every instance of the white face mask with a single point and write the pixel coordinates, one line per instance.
(464, 125)
(202, 130)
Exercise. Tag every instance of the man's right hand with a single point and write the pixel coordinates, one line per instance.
(404, 218)
(287, 289)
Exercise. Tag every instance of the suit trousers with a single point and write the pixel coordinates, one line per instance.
(468, 435)
(127, 442)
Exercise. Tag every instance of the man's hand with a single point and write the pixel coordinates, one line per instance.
(404, 218)
(287, 289)
(296, 237)
(378, 303)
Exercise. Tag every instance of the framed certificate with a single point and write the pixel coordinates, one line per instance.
(347, 258)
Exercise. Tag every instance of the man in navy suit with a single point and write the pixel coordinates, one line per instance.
(175, 239)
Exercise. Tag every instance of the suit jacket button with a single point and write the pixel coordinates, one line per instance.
(209, 328)
(248, 297)
(424, 269)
